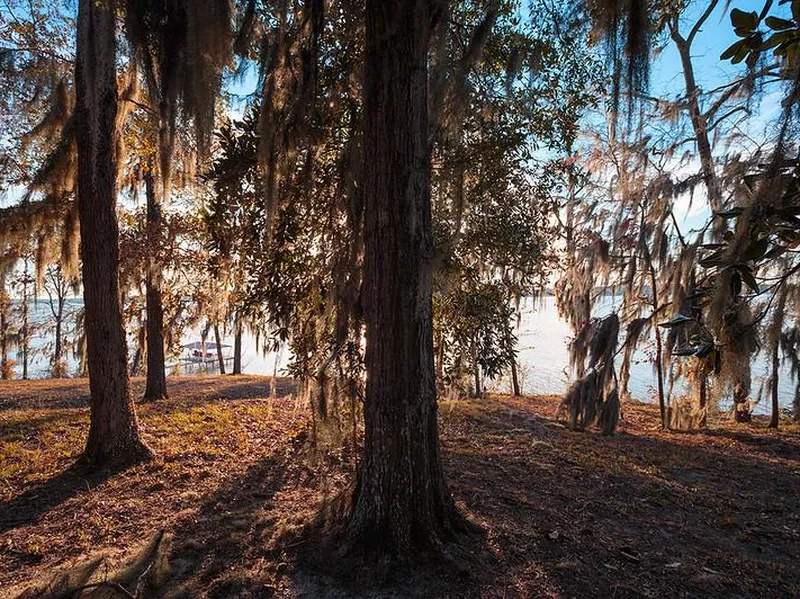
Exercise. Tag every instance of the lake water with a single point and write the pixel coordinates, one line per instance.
(543, 353)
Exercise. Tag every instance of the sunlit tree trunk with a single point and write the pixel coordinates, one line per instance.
(220, 357)
(698, 120)
(401, 499)
(156, 386)
(113, 431)
(514, 378)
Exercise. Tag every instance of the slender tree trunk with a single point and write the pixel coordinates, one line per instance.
(114, 430)
(699, 123)
(237, 346)
(156, 386)
(439, 365)
(24, 329)
(514, 378)
(662, 404)
(57, 366)
(141, 340)
(203, 347)
(5, 368)
(476, 373)
(401, 499)
(773, 421)
(703, 396)
(514, 374)
(220, 358)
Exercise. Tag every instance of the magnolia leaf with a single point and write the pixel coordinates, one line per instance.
(744, 20)
(778, 24)
(713, 260)
(676, 321)
(741, 55)
(732, 213)
(684, 351)
(747, 277)
(732, 50)
(775, 252)
(704, 350)
(756, 250)
(698, 294)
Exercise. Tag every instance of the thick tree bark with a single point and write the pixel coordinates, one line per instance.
(237, 347)
(156, 386)
(401, 498)
(113, 431)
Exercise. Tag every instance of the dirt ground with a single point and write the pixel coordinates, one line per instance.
(224, 510)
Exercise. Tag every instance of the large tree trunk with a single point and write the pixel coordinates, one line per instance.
(113, 431)
(156, 387)
(401, 498)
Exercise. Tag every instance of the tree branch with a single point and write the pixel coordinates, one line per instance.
(703, 18)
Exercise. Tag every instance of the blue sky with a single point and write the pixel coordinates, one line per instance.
(666, 74)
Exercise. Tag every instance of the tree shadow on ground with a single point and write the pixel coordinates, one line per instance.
(29, 506)
(771, 444)
(626, 516)
(221, 550)
(225, 387)
(44, 394)
(562, 513)
(74, 393)
(268, 533)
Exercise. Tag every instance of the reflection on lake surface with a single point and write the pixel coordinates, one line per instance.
(543, 353)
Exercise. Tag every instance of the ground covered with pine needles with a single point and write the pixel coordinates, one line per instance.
(231, 506)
